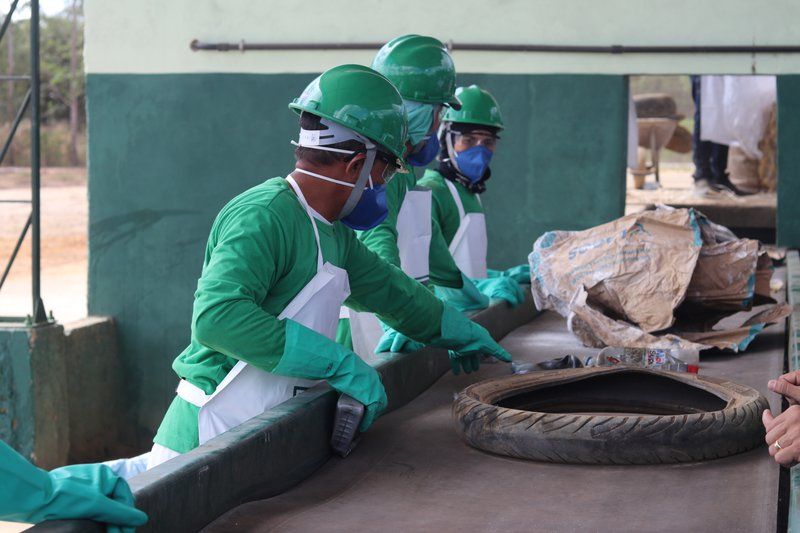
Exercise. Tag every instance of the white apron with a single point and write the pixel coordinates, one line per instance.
(469, 245)
(414, 233)
(248, 391)
(413, 245)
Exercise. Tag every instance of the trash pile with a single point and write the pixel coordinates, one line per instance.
(666, 278)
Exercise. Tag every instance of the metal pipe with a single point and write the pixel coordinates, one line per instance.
(14, 125)
(7, 20)
(15, 201)
(242, 46)
(39, 314)
(197, 45)
(16, 250)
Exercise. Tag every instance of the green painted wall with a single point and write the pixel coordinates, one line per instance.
(788, 231)
(167, 151)
(561, 161)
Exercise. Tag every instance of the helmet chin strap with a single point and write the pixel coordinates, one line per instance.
(363, 178)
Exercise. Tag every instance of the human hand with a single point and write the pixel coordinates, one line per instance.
(788, 386)
(783, 435)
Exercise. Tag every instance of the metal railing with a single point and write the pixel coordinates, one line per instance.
(31, 100)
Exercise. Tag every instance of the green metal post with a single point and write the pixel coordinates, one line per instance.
(39, 314)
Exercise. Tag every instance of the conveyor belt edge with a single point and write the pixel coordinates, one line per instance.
(793, 353)
(278, 449)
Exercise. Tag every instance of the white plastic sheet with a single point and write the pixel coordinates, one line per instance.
(633, 134)
(735, 109)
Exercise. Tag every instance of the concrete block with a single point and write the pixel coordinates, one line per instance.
(59, 391)
(34, 416)
(94, 382)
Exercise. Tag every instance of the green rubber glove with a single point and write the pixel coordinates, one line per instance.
(467, 342)
(520, 273)
(501, 288)
(467, 298)
(93, 491)
(310, 355)
(394, 341)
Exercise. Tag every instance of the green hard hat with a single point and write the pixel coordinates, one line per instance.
(421, 69)
(361, 99)
(477, 107)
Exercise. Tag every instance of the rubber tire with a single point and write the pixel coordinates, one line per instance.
(608, 438)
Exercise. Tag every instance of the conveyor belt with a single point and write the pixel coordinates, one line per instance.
(412, 473)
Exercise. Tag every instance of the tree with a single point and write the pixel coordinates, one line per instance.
(61, 64)
(11, 110)
(75, 10)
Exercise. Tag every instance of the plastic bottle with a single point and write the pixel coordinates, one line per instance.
(671, 359)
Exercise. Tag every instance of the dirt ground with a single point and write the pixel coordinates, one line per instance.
(677, 188)
(64, 249)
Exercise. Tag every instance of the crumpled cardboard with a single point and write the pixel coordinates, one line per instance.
(724, 278)
(657, 279)
(597, 330)
(636, 268)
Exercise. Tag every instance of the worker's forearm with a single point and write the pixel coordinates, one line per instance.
(242, 330)
(383, 241)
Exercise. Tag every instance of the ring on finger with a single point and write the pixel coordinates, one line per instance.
(778, 446)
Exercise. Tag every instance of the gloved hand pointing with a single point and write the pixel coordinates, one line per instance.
(467, 342)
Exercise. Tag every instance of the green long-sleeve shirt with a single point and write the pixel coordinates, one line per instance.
(261, 252)
(444, 209)
(383, 238)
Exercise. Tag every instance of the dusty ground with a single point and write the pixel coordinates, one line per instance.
(64, 249)
(677, 188)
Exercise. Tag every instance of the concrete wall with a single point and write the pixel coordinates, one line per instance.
(16, 403)
(57, 392)
(35, 419)
(97, 427)
(174, 134)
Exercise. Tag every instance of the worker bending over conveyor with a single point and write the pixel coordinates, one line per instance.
(281, 260)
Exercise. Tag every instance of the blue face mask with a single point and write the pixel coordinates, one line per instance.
(426, 154)
(473, 162)
(369, 211)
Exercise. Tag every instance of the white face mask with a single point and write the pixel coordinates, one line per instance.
(332, 180)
